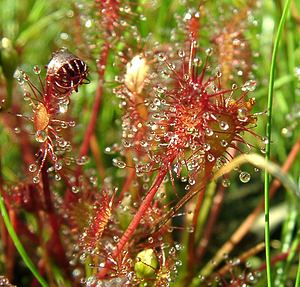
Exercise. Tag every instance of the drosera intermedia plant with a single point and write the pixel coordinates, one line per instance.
(65, 72)
(192, 122)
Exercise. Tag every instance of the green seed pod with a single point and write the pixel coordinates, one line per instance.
(9, 58)
(9, 61)
(146, 264)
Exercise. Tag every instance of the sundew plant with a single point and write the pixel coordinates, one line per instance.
(149, 143)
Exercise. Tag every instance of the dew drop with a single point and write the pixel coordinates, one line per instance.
(206, 147)
(226, 182)
(224, 143)
(143, 17)
(172, 67)
(265, 140)
(178, 263)
(172, 251)
(41, 136)
(93, 180)
(183, 179)
(63, 107)
(119, 163)
(240, 73)
(18, 76)
(25, 77)
(36, 179)
(178, 247)
(64, 36)
(161, 57)
(143, 144)
(63, 144)
(76, 272)
(191, 181)
(156, 102)
(209, 51)
(209, 132)
(58, 166)
(263, 150)
(287, 132)
(126, 143)
(72, 124)
(181, 53)
(244, 177)
(224, 126)
(36, 70)
(32, 167)
(234, 86)
(145, 186)
(75, 189)
(26, 96)
(187, 16)
(242, 114)
(57, 177)
(64, 125)
(210, 157)
(249, 86)
(82, 160)
(108, 150)
(190, 229)
(197, 61)
(17, 130)
(187, 187)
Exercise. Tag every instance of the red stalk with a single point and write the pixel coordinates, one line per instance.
(215, 210)
(96, 106)
(191, 239)
(137, 218)
(53, 221)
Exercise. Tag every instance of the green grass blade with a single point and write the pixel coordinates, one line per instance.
(268, 134)
(19, 245)
(294, 251)
(282, 270)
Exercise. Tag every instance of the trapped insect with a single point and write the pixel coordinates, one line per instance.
(65, 72)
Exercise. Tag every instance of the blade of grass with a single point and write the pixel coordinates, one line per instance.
(36, 28)
(268, 135)
(297, 284)
(287, 238)
(19, 245)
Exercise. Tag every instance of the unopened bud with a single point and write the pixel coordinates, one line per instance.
(146, 264)
(8, 58)
(136, 72)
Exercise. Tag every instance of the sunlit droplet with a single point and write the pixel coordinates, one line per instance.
(32, 167)
(36, 70)
(226, 182)
(249, 86)
(41, 136)
(36, 179)
(244, 177)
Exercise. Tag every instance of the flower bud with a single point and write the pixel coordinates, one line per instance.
(8, 58)
(136, 73)
(146, 264)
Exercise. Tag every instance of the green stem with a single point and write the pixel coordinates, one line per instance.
(297, 284)
(268, 134)
(19, 245)
(9, 93)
